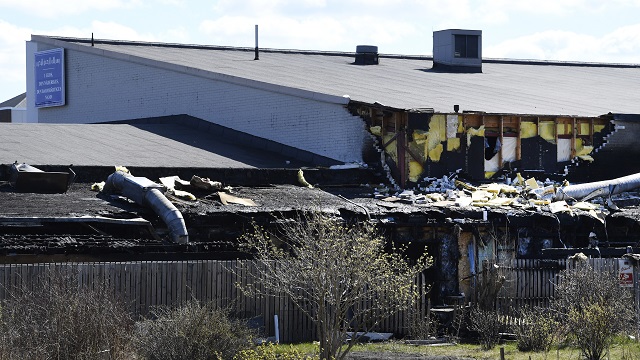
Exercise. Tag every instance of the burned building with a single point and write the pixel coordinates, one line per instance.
(430, 115)
(363, 126)
(82, 224)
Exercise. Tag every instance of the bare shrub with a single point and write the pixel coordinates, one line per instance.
(60, 320)
(338, 274)
(194, 331)
(535, 330)
(421, 326)
(487, 324)
(593, 308)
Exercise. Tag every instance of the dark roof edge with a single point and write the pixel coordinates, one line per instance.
(342, 53)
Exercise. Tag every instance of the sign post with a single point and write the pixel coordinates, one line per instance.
(49, 75)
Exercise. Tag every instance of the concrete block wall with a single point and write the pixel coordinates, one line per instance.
(102, 89)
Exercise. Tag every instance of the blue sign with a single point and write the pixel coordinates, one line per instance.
(49, 69)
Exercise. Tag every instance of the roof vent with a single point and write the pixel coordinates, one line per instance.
(457, 50)
(366, 55)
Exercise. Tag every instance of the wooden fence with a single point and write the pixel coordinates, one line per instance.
(144, 285)
(528, 282)
(531, 282)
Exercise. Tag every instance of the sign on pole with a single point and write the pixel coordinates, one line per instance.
(49, 75)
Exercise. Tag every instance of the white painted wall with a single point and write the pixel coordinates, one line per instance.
(100, 89)
(18, 115)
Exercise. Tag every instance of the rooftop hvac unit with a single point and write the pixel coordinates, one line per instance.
(457, 50)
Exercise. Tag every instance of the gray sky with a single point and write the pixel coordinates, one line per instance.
(566, 30)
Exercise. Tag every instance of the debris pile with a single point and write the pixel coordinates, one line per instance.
(200, 187)
(517, 192)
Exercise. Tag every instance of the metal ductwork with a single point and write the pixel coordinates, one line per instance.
(148, 193)
(599, 188)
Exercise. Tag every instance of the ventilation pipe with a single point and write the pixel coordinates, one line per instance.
(257, 53)
(599, 188)
(148, 193)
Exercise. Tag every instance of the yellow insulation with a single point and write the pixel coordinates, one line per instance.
(435, 153)
(437, 133)
(453, 144)
(598, 128)
(123, 169)
(582, 149)
(564, 129)
(417, 144)
(474, 132)
(528, 129)
(415, 169)
(97, 186)
(547, 130)
(419, 136)
(376, 130)
(583, 129)
(392, 148)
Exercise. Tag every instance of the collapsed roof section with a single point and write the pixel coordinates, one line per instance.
(420, 144)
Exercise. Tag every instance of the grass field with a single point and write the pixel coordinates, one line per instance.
(623, 349)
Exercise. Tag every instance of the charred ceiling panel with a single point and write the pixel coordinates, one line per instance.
(417, 121)
(474, 161)
(454, 160)
(541, 154)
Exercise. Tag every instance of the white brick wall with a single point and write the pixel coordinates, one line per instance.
(103, 89)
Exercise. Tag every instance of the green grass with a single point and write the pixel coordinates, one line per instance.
(623, 349)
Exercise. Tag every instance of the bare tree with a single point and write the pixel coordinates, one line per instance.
(339, 275)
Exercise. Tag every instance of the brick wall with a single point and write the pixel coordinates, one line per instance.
(101, 89)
